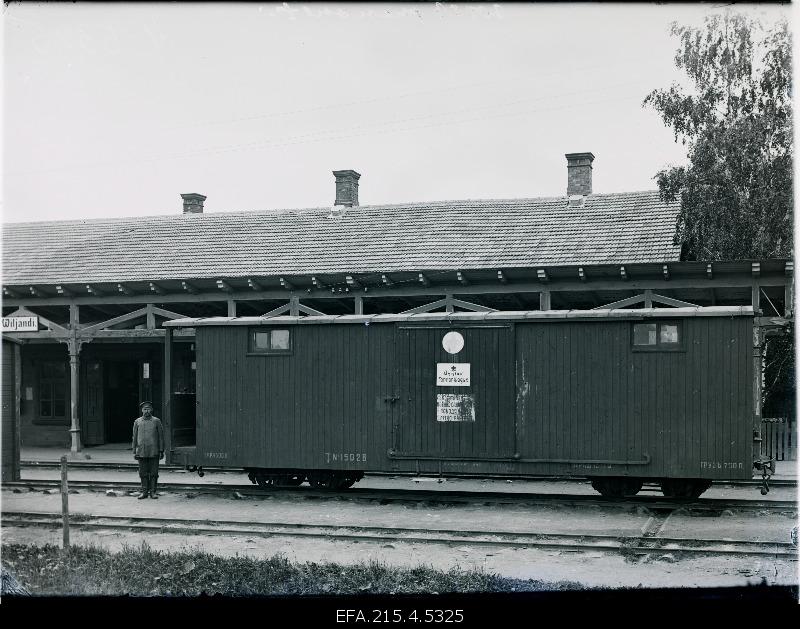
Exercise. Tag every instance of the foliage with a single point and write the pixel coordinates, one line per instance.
(736, 121)
(735, 193)
(779, 375)
(146, 572)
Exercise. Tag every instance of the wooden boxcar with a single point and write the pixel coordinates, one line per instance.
(617, 396)
(10, 424)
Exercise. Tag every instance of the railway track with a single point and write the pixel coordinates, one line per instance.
(91, 465)
(443, 496)
(628, 546)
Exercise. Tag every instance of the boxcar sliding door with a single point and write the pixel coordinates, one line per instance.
(456, 392)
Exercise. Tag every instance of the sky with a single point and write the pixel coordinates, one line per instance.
(114, 110)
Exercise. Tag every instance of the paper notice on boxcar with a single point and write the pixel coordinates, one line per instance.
(452, 374)
(455, 407)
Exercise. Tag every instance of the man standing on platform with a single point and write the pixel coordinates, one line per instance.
(148, 448)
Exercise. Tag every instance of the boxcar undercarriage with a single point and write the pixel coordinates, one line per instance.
(607, 486)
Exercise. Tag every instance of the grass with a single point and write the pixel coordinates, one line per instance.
(142, 571)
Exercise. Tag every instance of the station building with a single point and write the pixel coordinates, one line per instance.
(98, 291)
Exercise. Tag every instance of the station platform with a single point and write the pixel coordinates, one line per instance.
(108, 453)
(122, 453)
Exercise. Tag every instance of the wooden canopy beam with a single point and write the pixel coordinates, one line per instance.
(622, 303)
(670, 301)
(441, 303)
(276, 311)
(168, 314)
(309, 310)
(468, 305)
(774, 309)
(410, 290)
(136, 314)
(648, 297)
(150, 317)
(352, 282)
(448, 303)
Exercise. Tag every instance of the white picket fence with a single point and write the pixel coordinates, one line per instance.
(779, 438)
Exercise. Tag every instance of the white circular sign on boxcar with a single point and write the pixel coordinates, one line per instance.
(453, 342)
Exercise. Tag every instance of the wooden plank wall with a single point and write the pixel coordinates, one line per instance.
(588, 395)
(580, 393)
(325, 401)
(490, 353)
(10, 422)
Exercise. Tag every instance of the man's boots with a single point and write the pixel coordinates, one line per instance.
(153, 483)
(145, 488)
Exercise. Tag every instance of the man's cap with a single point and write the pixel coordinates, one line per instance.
(143, 404)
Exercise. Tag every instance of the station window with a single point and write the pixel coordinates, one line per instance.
(657, 336)
(274, 341)
(53, 390)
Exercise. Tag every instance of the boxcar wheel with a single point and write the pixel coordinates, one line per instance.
(265, 480)
(345, 481)
(684, 488)
(332, 480)
(321, 481)
(290, 480)
(611, 487)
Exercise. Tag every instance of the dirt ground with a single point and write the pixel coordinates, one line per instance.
(592, 569)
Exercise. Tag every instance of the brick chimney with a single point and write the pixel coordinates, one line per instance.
(579, 173)
(193, 203)
(346, 187)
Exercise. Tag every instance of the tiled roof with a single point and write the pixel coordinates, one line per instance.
(609, 229)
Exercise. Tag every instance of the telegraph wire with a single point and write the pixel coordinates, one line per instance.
(324, 136)
(418, 118)
(280, 114)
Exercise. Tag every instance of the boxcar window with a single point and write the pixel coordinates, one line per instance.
(260, 342)
(279, 339)
(657, 336)
(270, 342)
(669, 334)
(644, 334)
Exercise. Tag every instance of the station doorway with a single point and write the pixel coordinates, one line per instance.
(121, 399)
(113, 382)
